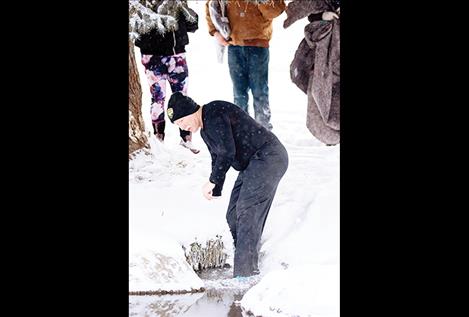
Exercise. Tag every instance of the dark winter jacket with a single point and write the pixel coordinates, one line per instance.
(169, 43)
(232, 138)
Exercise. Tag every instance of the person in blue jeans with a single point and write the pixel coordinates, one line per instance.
(249, 69)
(248, 51)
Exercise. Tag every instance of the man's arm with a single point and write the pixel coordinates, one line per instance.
(225, 150)
(211, 27)
(194, 25)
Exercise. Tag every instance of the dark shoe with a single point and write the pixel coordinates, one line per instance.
(160, 137)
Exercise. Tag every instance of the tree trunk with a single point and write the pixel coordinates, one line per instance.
(137, 136)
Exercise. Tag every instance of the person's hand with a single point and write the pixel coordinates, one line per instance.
(207, 190)
(221, 40)
(329, 16)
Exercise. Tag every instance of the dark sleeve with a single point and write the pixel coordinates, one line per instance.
(192, 26)
(315, 17)
(213, 155)
(137, 42)
(142, 38)
(224, 151)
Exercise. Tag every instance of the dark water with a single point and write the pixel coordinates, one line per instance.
(213, 302)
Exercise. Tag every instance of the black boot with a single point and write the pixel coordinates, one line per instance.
(160, 137)
(158, 130)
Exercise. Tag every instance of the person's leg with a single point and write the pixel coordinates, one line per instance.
(253, 205)
(156, 75)
(237, 64)
(178, 74)
(260, 181)
(262, 221)
(258, 62)
(231, 216)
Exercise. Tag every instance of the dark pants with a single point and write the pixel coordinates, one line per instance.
(250, 202)
(249, 69)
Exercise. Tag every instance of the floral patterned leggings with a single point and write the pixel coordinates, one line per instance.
(158, 70)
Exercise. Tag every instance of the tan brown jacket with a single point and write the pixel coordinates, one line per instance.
(251, 24)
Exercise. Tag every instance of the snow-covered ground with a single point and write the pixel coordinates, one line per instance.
(300, 252)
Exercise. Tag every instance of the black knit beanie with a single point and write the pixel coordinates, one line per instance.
(180, 106)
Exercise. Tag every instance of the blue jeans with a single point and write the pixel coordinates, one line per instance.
(249, 69)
